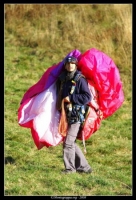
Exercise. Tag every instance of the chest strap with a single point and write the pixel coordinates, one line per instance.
(76, 78)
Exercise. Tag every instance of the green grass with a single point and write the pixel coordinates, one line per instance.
(32, 172)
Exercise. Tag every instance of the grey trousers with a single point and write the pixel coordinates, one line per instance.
(74, 159)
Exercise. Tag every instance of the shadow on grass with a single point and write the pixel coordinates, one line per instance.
(9, 159)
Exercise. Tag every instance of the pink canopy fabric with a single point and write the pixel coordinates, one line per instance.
(37, 110)
(101, 69)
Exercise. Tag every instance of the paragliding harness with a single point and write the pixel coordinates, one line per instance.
(80, 110)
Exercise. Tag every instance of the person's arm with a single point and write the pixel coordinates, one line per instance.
(83, 95)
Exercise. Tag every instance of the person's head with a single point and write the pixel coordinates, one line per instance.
(70, 63)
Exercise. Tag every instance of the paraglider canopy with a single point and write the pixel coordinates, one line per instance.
(38, 102)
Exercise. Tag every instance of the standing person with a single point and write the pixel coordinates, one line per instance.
(72, 89)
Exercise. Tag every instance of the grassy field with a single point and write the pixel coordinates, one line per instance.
(36, 36)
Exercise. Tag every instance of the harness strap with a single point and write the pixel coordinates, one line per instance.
(76, 78)
(83, 138)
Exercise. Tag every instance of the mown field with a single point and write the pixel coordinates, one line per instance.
(36, 36)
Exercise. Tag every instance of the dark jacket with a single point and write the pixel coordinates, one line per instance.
(81, 94)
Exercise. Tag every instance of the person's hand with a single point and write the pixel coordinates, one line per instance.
(66, 99)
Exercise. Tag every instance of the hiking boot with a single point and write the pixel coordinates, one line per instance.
(68, 172)
(89, 171)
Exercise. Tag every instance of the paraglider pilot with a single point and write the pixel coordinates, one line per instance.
(72, 89)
